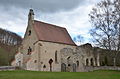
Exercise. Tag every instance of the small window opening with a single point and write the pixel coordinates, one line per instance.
(35, 61)
(77, 63)
(29, 33)
(56, 61)
(29, 50)
(44, 66)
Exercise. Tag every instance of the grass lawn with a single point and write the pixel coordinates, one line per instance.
(100, 74)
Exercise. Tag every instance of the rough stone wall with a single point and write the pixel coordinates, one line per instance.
(18, 59)
(71, 61)
(87, 54)
(47, 51)
(106, 57)
(28, 42)
(80, 59)
(32, 63)
(88, 69)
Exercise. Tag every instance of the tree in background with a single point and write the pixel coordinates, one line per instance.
(9, 43)
(79, 39)
(105, 20)
(9, 38)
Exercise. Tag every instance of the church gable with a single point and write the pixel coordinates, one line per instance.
(30, 32)
(47, 32)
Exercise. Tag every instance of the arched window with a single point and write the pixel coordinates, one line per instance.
(91, 61)
(87, 62)
(77, 63)
(29, 32)
(56, 61)
(29, 50)
(68, 60)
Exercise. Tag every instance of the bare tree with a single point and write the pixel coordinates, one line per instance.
(105, 19)
(117, 26)
(79, 39)
(9, 42)
(9, 38)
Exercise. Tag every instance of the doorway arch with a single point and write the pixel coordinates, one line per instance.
(63, 67)
(91, 61)
(50, 62)
(74, 67)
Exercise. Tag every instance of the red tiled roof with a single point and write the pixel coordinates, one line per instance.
(52, 33)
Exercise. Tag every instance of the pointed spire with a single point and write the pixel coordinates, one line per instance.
(31, 16)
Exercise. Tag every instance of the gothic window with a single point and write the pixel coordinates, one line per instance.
(87, 62)
(29, 32)
(77, 63)
(91, 60)
(68, 60)
(56, 61)
(29, 50)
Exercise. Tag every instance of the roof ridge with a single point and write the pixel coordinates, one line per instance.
(50, 24)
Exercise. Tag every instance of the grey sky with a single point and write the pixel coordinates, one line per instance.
(43, 5)
(71, 14)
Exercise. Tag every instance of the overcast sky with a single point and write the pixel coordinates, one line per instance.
(71, 14)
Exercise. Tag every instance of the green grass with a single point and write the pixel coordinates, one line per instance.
(101, 74)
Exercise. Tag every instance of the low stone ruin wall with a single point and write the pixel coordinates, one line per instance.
(87, 69)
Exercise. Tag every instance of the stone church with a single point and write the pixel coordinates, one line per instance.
(47, 47)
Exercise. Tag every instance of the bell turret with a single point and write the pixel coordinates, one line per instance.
(31, 16)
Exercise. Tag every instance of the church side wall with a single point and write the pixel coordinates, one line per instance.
(47, 51)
